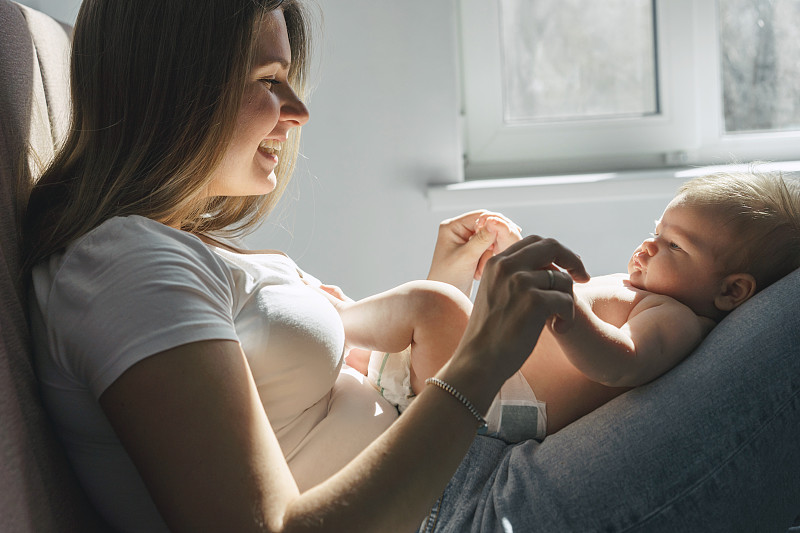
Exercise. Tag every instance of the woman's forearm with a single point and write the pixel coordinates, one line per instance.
(395, 481)
(211, 461)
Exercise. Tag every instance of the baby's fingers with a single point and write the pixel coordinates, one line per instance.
(507, 233)
(500, 218)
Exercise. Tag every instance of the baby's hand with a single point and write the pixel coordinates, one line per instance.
(333, 294)
(466, 242)
(354, 357)
(505, 234)
(336, 292)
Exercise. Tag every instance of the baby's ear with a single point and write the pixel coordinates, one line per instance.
(734, 291)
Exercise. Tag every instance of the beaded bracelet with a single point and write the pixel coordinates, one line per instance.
(460, 397)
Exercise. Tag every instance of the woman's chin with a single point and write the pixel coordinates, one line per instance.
(272, 182)
(264, 185)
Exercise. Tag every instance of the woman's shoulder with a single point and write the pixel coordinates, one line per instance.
(128, 249)
(136, 238)
(134, 287)
(138, 232)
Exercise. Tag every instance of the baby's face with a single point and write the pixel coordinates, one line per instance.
(679, 260)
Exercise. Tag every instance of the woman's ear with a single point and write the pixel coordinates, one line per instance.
(734, 291)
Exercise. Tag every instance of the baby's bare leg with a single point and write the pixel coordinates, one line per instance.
(428, 316)
(440, 314)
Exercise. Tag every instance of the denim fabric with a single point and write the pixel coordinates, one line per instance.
(710, 446)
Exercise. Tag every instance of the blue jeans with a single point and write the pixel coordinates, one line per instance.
(710, 446)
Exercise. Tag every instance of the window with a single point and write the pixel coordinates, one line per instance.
(760, 60)
(551, 72)
(565, 86)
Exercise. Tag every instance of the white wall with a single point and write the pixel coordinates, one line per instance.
(383, 126)
(63, 10)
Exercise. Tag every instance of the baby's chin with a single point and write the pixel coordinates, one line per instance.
(635, 280)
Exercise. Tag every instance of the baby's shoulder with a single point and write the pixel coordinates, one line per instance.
(671, 311)
(608, 288)
(611, 297)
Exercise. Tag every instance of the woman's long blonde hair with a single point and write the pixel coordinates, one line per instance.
(156, 86)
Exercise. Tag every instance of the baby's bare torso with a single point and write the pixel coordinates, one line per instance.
(568, 393)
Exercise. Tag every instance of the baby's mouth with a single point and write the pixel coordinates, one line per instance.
(270, 146)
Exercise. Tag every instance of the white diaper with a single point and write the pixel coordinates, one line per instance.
(515, 414)
(390, 374)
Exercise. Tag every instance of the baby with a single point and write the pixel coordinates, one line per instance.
(721, 239)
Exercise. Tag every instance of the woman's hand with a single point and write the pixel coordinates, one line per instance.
(466, 242)
(522, 288)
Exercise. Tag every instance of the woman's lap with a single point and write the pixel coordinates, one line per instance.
(710, 446)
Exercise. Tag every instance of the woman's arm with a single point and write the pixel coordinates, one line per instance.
(192, 422)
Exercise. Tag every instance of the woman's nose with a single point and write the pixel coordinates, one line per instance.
(294, 110)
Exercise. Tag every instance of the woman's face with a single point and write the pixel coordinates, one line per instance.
(269, 109)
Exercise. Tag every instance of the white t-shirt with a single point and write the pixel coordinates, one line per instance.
(132, 288)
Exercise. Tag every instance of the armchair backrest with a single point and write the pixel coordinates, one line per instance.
(38, 490)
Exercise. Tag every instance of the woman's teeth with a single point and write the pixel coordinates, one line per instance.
(270, 145)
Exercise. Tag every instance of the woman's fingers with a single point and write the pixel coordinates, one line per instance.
(512, 307)
(537, 253)
(521, 290)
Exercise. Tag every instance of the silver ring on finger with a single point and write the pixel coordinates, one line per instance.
(551, 280)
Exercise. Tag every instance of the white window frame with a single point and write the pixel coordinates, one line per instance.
(687, 131)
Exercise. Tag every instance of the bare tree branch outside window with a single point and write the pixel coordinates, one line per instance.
(578, 59)
(760, 54)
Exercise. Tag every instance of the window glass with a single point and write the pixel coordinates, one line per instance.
(578, 59)
(760, 47)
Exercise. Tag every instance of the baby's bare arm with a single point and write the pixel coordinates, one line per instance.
(657, 335)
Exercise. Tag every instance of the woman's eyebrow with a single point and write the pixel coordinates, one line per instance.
(268, 62)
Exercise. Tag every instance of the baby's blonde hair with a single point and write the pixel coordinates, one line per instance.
(761, 210)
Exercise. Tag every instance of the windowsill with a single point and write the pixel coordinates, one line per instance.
(576, 189)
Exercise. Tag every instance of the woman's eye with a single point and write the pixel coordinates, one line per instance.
(269, 82)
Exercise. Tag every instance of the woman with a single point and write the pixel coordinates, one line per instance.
(149, 331)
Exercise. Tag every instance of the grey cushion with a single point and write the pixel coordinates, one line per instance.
(38, 490)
